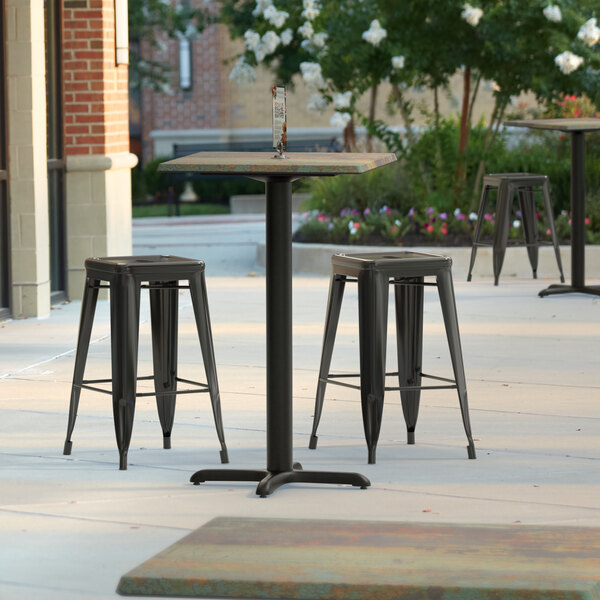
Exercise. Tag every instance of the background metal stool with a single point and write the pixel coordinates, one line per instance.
(507, 184)
(374, 272)
(125, 275)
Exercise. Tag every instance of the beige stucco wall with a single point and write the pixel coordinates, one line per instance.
(28, 181)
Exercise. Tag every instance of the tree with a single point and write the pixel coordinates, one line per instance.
(345, 48)
(150, 21)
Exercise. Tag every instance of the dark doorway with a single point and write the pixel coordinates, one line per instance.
(56, 163)
(4, 230)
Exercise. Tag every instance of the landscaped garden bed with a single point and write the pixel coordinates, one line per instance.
(393, 206)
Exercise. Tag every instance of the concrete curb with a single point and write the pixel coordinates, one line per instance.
(316, 258)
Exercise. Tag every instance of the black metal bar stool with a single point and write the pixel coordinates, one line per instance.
(125, 275)
(507, 184)
(374, 272)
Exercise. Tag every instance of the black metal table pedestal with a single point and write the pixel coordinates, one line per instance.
(280, 466)
(577, 224)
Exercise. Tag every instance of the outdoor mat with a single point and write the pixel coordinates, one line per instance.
(373, 560)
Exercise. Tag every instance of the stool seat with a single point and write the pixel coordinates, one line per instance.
(125, 276)
(521, 178)
(156, 267)
(507, 184)
(374, 272)
(407, 262)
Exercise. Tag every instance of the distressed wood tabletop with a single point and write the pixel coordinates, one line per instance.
(569, 125)
(302, 559)
(302, 164)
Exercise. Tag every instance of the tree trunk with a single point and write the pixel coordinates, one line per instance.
(350, 137)
(436, 116)
(464, 135)
(473, 98)
(372, 107)
(410, 136)
(490, 136)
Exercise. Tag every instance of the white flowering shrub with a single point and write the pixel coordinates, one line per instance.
(375, 33)
(471, 14)
(589, 32)
(553, 13)
(568, 62)
(242, 72)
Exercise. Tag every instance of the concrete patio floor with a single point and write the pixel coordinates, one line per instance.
(72, 525)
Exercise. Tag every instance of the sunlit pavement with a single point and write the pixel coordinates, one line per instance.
(72, 525)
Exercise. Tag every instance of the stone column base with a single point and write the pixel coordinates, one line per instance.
(98, 201)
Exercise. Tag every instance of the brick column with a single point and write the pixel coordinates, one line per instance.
(28, 175)
(98, 161)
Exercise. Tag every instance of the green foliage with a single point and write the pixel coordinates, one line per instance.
(548, 153)
(185, 209)
(392, 206)
(593, 214)
(387, 226)
(372, 190)
(155, 183)
(220, 189)
(138, 185)
(216, 190)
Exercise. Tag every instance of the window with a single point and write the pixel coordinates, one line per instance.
(56, 163)
(185, 63)
(4, 233)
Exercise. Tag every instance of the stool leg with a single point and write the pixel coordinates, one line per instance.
(200, 302)
(124, 323)
(550, 213)
(477, 235)
(409, 339)
(527, 204)
(164, 305)
(373, 290)
(86, 320)
(334, 304)
(448, 302)
(503, 211)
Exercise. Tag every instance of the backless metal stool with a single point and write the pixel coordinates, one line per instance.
(507, 184)
(406, 272)
(125, 275)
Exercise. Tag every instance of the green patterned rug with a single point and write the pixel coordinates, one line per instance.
(373, 560)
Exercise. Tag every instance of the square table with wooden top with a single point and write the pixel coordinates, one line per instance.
(577, 128)
(278, 174)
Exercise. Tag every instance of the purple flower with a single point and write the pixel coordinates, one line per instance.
(411, 212)
(430, 210)
(443, 216)
(355, 212)
(367, 211)
(461, 217)
(488, 216)
(519, 214)
(344, 212)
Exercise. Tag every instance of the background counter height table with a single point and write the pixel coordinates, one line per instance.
(577, 128)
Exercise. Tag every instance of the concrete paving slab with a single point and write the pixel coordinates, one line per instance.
(533, 381)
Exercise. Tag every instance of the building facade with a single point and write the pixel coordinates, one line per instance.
(65, 185)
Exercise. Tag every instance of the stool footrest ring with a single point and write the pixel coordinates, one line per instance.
(85, 384)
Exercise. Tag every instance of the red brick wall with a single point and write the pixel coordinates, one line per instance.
(96, 95)
(201, 107)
